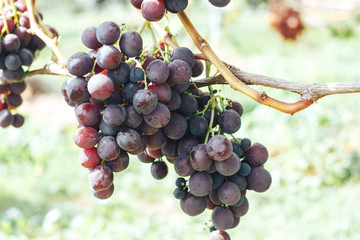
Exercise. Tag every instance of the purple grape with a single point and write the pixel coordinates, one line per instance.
(199, 126)
(259, 179)
(76, 90)
(131, 44)
(222, 218)
(107, 148)
(175, 101)
(192, 205)
(175, 6)
(87, 114)
(100, 87)
(108, 57)
(229, 193)
(11, 43)
(153, 10)
(256, 155)
(18, 120)
(184, 54)
(241, 210)
(101, 178)
(177, 127)
(108, 33)
(182, 165)
(114, 115)
(199, 159)
(197, 69)
(145, 101)
(159, 117)
(189, 105)
(229, 121)
(180, 71)
(26, 56)
(103, 194)
(219, 148)
(229, 166)
(200, 184)
(120, 75)
(157, 72)
(88, 38)
(79, 64)
(128, 139)
(6, 118)
(163, 92)
(155, 141)
(134, 119)
(159, 170)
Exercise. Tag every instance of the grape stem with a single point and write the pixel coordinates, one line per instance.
(143, 26)
(35, 29)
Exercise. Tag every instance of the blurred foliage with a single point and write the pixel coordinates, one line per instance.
(315, 158)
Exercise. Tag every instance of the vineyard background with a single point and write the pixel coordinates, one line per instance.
(315, 158)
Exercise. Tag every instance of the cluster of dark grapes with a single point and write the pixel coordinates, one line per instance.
(131, 100)
(220, 172)
(154, 10)
(17, 49)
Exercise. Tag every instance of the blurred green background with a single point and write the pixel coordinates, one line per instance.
(315, 156)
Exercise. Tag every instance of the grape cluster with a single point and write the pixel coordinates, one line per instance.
(17, 49)
(220, 172)
(154, 10)
(141, 101)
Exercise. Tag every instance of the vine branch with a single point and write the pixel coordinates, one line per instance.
(262, 98)
(35, 29)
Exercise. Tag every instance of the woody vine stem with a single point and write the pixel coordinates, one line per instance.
(231, 75)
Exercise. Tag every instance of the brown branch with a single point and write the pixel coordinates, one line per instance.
(35, 29)
(312, 91)
(51, 68)
(262, 98)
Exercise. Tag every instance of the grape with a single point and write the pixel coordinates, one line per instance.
(26, 56)
(163, 91)
(108, 57)
(107, 148)
(219, 235)
(180, 71)
(237, 107)
(147, 61)
(241, 201)
(20, 6)
(136, 3)
(157, 72)
(115, 98)
(222, 218)
(177, 126)
(89, 158)
(218, 179)
(4, 88)
(169, 149)
(240, 181)
(175, 101)
(154, 153)
(145, 101)
(18, 120)
(219, 3)
(256, 155)
(181, 87)
(182, 165)
(131, 44)
(88, 38)
(128, 139)
(156, 140)
(6, 118)
(24, 20)
(159, 170)
(245, 144)
(192, 205)
(189, 105)
(259, 179)
(142, 147)
(120, 75)
(214, 197)
(108, 33)
(136, 75)
(219, 148)
(103, 194)
(101, 178)
(200, 184)
(146, 129)
(12, 61)
(159, 117)
(120, 163)
(14, 100)
(134, 119)
(184, 54)
(199, 159)
(241, 210)
(245, 169)
(86, 137)
(179, 193)
(129, 91)
(36, 43)
(180, 182)
(145, 158)
(114, 115)
(238, 149)
(76, 90)
(229, 121)
(197, 69)
(229, 193)
(79, 64)
(87, 114)
(153, 10)
(229, 166)
(203, 101)
(23, 35)
(108, 130)
(100, 87)
(11, 43)
(187, 144)
(199, 126)
(16, 75)
(175, 6)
